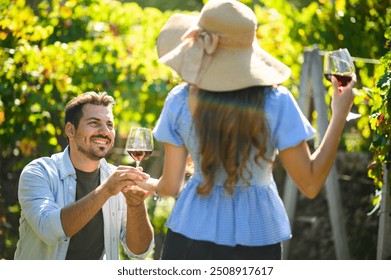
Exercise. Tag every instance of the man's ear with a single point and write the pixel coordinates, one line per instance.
(69, 130)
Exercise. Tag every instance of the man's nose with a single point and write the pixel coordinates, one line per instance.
(104, 130)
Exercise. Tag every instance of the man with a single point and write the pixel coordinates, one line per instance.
(74, 205)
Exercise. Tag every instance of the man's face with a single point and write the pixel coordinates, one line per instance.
(95, 134)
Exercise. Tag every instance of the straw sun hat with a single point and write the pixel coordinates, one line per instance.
(218, 50)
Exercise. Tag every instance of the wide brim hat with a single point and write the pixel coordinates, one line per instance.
(217, 50)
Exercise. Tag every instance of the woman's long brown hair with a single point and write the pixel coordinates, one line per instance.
(229, 124)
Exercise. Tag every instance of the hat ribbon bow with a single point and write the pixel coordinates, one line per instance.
(192, 57)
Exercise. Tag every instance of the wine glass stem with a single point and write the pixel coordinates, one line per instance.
(137, 163)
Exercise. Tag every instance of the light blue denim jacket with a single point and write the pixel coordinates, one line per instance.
(46, 186)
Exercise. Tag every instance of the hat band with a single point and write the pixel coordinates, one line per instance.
(192, 57)
(225, 40)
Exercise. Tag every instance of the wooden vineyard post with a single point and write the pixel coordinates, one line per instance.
(384, 235)
(304, 102)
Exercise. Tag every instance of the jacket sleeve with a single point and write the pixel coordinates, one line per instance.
(129, 253)
(38, 203)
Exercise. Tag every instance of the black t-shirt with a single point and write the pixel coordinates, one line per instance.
(88, 243)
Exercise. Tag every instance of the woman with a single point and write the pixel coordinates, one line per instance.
(232, 117)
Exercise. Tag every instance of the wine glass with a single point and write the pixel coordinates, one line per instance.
(139, 144)
(339, 63)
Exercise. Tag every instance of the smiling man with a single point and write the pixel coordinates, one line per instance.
(75, 205)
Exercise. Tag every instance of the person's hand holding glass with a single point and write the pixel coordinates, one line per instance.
(339, 64)
(139, 146)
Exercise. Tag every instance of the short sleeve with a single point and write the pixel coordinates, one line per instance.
(287, 123)
(167, 126)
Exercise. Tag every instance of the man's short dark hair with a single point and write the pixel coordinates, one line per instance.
(74, 108)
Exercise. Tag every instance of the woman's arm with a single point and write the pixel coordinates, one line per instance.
(309, 171)
(173, 177)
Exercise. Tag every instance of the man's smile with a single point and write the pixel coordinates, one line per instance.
(101, 141)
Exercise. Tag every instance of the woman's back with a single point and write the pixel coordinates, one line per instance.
(253, 214)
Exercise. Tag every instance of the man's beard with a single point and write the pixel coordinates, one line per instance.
(93, 155)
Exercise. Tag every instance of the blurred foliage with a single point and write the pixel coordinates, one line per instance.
(53, 50)
(190, 5)
(380, 122)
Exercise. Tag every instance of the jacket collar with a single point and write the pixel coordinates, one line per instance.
(66, 168)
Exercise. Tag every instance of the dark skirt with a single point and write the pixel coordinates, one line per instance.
(179, 247)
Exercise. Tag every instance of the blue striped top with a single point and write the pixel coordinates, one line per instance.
(254, 215)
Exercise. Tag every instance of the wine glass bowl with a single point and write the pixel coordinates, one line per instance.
(339, 63)
(139, 144)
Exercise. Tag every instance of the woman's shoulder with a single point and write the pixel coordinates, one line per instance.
(277, 92)
(277, 98)
(176, 105)
(178, 93)
(176, 100)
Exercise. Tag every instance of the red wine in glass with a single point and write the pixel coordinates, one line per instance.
(139, 155)
(343, 80)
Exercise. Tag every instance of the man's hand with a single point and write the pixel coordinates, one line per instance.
(122, 177)
(135, 195)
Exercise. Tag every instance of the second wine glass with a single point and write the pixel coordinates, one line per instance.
(139, 144)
